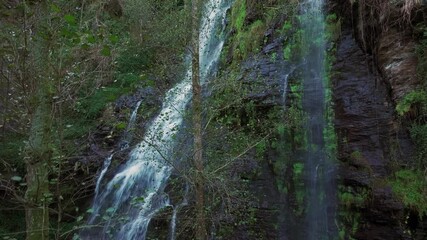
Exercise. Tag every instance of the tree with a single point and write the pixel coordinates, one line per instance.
(38, 150)
(197, 123)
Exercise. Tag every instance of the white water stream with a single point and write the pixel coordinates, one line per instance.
(125, 139)
(124, 208)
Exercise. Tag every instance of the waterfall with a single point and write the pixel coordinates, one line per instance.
(319, 180)
(127, 137)
(184, 202)
(104, 169)
(124, 208)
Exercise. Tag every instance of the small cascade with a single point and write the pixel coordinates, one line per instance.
(124, 207)
(127, 137)
(105, 167)
(174, 220)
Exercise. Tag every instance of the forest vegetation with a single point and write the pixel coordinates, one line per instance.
(72, 73)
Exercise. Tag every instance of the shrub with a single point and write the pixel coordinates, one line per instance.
(419, 137)
(410, 100)
(411, 187)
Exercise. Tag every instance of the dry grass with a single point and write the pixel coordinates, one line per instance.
(377, 16)
(408, 8)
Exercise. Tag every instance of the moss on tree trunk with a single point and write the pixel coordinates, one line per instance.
(38, 156)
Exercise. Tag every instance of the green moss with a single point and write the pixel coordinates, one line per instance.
(298, 168)
(121, 126)
(238, 14)
(333, 27)
(351, 200)
(248, 41)
(410, 100)
(299, 186)
(411, 187)
(350, 197)
(287, 52)
(286, 27)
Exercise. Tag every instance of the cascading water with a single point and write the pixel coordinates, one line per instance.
(319, 165)
(127, 137)
(184, 202)
(124, 208)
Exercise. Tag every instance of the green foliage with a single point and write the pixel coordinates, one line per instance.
(292, 48)
(249, 35)
(333, 27)
(121, 126)
(261, 148)
(419, 137)
(77, 127)
(416, 97)
(134, 59)
(295, 119)
(329, 134)
(127, 80)
(92, 106)
(238, 14)
(13, 222)
(298, 169)
(299, 186)
(296, 47)
(11, 150)
(411, 187)
(286, 28)
(249, 40)
(421, 51)
(287, 52)
(161, 28)
(351, 200)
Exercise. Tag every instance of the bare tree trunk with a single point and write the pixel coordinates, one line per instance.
(38, 152)
(197, 124)
(38, 155)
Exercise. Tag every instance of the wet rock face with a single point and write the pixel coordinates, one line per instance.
(397, 62)
(264, 76)
(383, 30)
(366, 127)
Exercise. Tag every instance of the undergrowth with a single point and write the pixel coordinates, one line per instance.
(411, 187)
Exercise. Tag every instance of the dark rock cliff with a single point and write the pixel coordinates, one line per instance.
(369, 140)
(376, 66)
